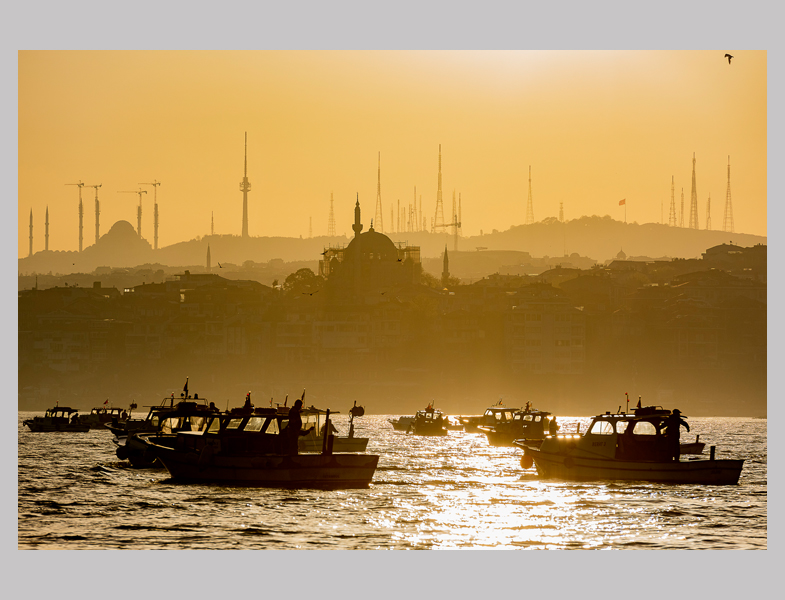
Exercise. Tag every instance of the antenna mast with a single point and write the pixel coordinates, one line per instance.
(331, 219)
(529, 204)
(727, 221)
(31, 233)
(438, 220)
(708, 213)
(245, 187)
(693, 199)
(46, 236)
(672, 213)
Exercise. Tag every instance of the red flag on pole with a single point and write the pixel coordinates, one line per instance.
(622, 202)
(106, 401)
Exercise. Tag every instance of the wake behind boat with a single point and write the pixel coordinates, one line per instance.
(628, 447)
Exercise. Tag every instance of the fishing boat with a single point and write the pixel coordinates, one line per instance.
(314, 442)
(527, 424)
(429, 422)
(625, 446)
(491, 416)
(59, 418)
(401, 423)
(101, 415)
(249, 449)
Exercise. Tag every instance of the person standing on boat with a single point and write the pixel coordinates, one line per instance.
(295, 428)
(673, 423)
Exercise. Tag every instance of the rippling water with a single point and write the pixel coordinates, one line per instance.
(427, 493)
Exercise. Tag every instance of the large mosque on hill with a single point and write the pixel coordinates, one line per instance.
(370, 261)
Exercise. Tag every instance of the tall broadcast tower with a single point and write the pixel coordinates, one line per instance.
(378, 219)
(46, 235)
(245, 187)
(708, 213)
(727, 221)
(529, 205)
(681, 213)
(31, 233)
(438, 220)
(331, 218)
(693, 199)
(672, 213)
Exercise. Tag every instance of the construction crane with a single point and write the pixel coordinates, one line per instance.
(97, 212)
(155, 185)
(138, 210)
(456, 224)
(80, 185)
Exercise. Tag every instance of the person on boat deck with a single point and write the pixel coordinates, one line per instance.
(553, 427)
(248, 404)
(295, 428)
(673, 424)
(333, 429)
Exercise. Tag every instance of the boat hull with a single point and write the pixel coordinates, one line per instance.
(712, 472)
(340, 444)
(69, 427)
(401, 424)
(323, 471)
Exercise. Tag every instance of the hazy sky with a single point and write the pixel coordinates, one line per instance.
(595, 126)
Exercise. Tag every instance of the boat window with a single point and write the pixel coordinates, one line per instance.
(154, 421)
(527, 417)
(273, 427)
(170, 424)
(197, 423)
(621, 426)
(234, 423)
(644, 428)
(537, 419)
(215, 426)
(254, 424)
(508, 416)
(602, 428)
(516, 418)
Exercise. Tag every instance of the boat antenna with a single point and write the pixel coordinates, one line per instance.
(628, 401)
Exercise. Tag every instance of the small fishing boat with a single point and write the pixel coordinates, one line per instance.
(101, 415)
(59, 418)
(491, 416)
(429, 422)
(527, 424)
(401, 423)
(314, 441)
(248, 449)
(629, 447)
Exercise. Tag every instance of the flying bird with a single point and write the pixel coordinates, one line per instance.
(728, 56)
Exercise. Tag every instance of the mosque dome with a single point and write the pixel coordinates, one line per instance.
(374, 246)
(621, 255)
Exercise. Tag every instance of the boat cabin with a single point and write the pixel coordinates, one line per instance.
(256, 432)
(637, 436)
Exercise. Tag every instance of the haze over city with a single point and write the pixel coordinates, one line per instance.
(595, 127)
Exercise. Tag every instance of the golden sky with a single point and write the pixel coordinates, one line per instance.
(595, 127)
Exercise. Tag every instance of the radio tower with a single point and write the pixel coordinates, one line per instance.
(81, 211)
(672, 213)
(31, 233)
(212, 223)
(97, 212)
(454, 209)
(46, 236)
(529, 206)
(155, 185)
(438, 220)
(416, 216)
(331, 218)
(245, 187)
(693, 199)
(310, 227)
(681, 214)
(460, 231)
(378, 219)
(727, 221)
(561, 212)
(708, 213)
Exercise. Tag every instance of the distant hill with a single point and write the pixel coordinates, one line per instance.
(597, 238)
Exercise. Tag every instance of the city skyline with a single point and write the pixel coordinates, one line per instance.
(594, 129)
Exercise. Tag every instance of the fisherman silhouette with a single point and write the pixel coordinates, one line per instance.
(294, 429)
(553, 427)
(673, 423)
(248, 404)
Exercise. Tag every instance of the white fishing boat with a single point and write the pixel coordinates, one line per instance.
(627, 447)
(492, 415)
(401, 423)
(314, 442)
